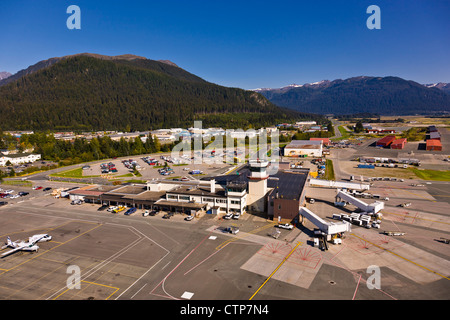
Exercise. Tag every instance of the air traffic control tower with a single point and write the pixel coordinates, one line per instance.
(257, 185)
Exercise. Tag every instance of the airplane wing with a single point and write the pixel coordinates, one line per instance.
(11, 251)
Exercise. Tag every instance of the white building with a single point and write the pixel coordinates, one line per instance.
(306, 123)
(206, 194)
(18, 158)
(304, 148)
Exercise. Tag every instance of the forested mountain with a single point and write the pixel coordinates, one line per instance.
(93, 92)
(380, 95)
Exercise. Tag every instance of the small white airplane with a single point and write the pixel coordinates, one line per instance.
(30, 245)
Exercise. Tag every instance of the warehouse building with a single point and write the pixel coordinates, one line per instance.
(305, 148)
(434, 135)
(385, 142)
(399, 143)
(434, 145)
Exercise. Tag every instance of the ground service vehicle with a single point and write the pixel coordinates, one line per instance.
(286, 226)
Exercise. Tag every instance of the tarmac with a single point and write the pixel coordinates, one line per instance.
(150, 258)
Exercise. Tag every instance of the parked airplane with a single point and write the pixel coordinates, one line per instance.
(30, 245)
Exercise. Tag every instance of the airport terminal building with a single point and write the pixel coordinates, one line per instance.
(251, 190)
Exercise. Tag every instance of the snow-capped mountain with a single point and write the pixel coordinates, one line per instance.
(440, 85)
(318, 84)
(4, 75)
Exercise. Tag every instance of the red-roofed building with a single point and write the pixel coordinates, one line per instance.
(386, 141)
(399, 143)
(325, 141)
(434, 145)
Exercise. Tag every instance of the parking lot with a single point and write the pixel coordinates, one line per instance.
(149, 170)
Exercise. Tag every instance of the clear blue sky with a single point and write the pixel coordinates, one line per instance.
(246, 44)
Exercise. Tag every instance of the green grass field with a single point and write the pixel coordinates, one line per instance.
(345, 134)
(17, 183)
(432, 174)
(329, 170)
(74, 173)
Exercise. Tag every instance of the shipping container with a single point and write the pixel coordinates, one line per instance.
(366, 166)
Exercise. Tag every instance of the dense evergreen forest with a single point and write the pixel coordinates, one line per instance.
(88, 93)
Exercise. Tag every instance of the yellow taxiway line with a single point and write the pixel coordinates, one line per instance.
(274, 271)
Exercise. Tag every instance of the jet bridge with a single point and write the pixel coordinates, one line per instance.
(374, 208)
(339, 184)
(328, 228)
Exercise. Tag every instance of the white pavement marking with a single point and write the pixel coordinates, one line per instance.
(187, 295)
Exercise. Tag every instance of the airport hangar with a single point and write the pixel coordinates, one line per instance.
(303, 148)
(251, 190)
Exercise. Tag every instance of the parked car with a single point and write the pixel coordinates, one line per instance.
(118, 209)
(103, 208)
(23, 193)
(130, 211)
(168, 215)
(3, 203)
(228, 216)
(76, 202)
(286, 226)
(189, 218)
(47, 189)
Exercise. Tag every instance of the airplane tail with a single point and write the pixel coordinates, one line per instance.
(7, 243)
